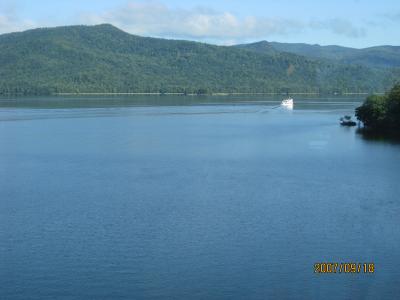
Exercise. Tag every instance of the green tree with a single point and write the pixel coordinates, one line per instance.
(393, 107)
(381, 112)
(373, 112)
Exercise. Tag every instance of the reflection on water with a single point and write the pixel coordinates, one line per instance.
(382, 137)
(219, 198)
(30, 108)
(168, 100)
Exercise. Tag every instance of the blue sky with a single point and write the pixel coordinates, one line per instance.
(354, 23)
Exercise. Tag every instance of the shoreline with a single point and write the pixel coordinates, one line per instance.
(190, 94)
(211, 94)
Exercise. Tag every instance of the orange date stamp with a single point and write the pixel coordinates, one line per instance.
(344, 268)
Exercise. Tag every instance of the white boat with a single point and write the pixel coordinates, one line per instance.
(288, 103)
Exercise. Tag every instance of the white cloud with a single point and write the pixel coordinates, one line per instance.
(394, 17)
(346, 28)
(11, 23)
(153, 18)
(339, 27)
(156, 19)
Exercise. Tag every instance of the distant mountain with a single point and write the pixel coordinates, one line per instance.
(380, 56)
(103, 58)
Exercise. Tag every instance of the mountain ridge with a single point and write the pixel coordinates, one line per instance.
(103, 58)
(385, 56)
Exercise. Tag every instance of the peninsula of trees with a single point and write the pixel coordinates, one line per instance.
(381, 114)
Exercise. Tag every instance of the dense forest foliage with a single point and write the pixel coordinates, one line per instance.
(381, 113)
(376, 57)
(102, 58)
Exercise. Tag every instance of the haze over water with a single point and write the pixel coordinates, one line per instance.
(193, 197)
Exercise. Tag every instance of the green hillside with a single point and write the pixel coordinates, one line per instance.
(376, 57)
(103, 58)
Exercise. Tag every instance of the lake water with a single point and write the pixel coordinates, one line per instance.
(178, 197)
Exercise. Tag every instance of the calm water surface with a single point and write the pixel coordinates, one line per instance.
(193, 198)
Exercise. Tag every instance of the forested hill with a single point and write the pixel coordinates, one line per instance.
(103, 58)
(379, 56)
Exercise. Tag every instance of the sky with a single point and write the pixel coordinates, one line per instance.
(352, 23)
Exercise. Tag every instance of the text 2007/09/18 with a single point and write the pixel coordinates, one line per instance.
(347, 268)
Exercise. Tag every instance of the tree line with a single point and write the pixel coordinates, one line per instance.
(381, 113)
